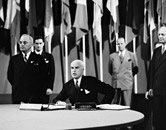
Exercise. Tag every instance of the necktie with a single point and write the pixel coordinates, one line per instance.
(25, 58)
(121, 57)
(162, 50)
(76, 85)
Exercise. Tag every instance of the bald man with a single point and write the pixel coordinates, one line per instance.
(83, 88)
(157, 82)
(123, 66)
(26, 73)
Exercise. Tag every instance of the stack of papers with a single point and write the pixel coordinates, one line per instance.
(40, 107)
(112, 107)
(53, 107)
(29, 106)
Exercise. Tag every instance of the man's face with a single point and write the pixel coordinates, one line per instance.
(162, 35)
(121, 44)
(39, 44)
(76, 70)
(25, 44)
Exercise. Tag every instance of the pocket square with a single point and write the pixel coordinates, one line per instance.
(129, 59)
(86, 91)
(32, 62)
(47, 61)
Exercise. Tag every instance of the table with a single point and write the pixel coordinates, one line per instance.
(11, 118)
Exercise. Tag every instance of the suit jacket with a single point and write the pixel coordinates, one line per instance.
(122, 73)
(50, 68)
(88, 91)
(157, 80)
(27, 78)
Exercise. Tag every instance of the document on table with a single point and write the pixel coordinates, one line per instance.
(53, 107)
(112, 107)
(40, 107)
(30, 106)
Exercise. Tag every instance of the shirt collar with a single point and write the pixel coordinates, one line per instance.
(39, 53)
(164, 46)
(123, 52)
(27, 54)
(79, 81)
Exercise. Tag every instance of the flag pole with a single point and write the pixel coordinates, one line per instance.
(101, 61)
(66, 58)
(66, 45)
(151, 42)
(84, 54)
(135, 77)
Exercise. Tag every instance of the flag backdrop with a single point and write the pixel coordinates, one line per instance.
(75, 19)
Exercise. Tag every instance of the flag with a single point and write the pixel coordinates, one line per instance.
(24, 12)
(81, 19)
(13, 23)
(49, 25)
(149, 24)
(66, 19)
(112, 6)
(161, 10)
(145, 28)
(98, 13)
(134, 18)
(32, 20)
(12, 8)
(1, 13)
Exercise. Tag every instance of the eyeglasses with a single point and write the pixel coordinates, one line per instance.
(23, 42)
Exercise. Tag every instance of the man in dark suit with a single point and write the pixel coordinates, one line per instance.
(50, 66)
(157, 82)
(26, 73)
(83, 88)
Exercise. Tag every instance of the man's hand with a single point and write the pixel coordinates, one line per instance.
(149, 94)
(49, 91)
(61, 103)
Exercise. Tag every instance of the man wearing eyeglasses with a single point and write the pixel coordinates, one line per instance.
(26, 73)
(50, 65)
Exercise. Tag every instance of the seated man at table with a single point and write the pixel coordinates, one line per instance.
(83, 88)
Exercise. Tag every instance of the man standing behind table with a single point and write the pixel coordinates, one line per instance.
(123, 66)
(27, 74)
(49, 60)
(83, 88)
(157, 82)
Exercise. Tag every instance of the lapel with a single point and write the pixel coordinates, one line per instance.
(117, 57)
(125, 58)
(73, 91)
(82, 86)
(72, 84)
(160, 58)
(31, 57)
(43, 54)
